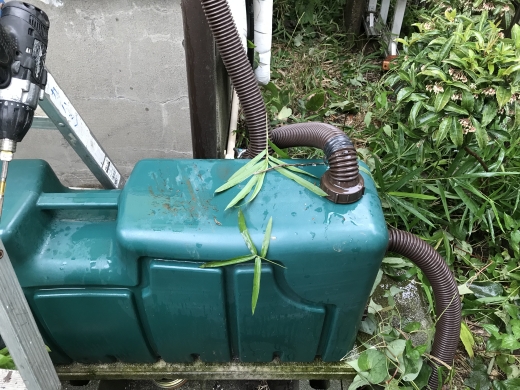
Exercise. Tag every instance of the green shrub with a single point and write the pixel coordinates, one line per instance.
(448, 154)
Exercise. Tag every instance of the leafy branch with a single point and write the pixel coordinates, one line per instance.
(255, 255)
(256, 170)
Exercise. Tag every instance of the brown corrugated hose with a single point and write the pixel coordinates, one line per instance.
(447, 301)
(342, 181)
(239, 70)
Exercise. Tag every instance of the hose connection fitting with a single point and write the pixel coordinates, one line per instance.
(342, 181)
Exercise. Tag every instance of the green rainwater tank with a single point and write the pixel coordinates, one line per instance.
(114, 275)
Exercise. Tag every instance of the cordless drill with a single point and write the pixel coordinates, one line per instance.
(24, 31)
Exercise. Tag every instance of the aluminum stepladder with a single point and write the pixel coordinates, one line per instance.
(17, 325)
(375, 22)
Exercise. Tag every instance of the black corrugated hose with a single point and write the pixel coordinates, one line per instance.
(447, 301)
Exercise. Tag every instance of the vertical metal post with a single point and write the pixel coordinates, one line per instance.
(20, 333)
(385, 6)
(208, 85)
(372, 6)
(400, 7)
(372, 9)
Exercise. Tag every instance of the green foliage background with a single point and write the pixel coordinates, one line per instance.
(440, 133)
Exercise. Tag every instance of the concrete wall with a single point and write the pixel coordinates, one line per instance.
(122, 65)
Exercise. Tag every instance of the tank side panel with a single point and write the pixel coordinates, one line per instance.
(186, 311)
(94, 325)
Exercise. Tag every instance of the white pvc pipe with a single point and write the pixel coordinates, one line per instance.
(263, 12)
(238, 11)
(232, 136)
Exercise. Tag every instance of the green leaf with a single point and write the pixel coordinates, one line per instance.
(478, 378)
(492, 300)
(515, 35)
(445, 50)
(434, 73)
(243, 173)
(421, 380)
(486, 174)
(452, 107)
(442, 194)
(403, 93)
(426, 118)
(487, 289)
(258, 187)
(509, 222)
(267, 238)
(367, 119)
(413, 113)
(511, 69)
(284, 113)
(508, 384)
(256, 283)
(480, 134)
(300, 181)
(456, 132)
(271, 87)
(412, 327)
(6, 362)
(489, 113)
(450, 14)
(413, 361)
(235, 260)
(491, 68)
(413, 210)
(443, 131)
(467, 339)
(464, 289)
(412, 195)
(442, 99)
(503, 96)
(468, 101)
(510, 342)
(245, 233)
(358, 382)
(316, 101)
(374, 363)
(278, 151)
(291, 168)
(243, 193)
(395, 349)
